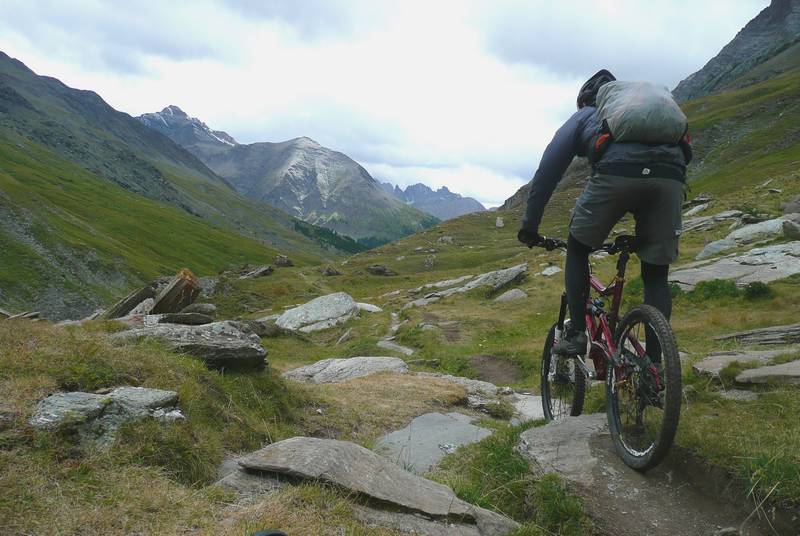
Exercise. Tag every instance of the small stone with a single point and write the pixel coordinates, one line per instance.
(445, 239)
(283, 261)
(550, 270)
(499, 223)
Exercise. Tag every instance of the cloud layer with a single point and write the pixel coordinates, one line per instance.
(455, 93)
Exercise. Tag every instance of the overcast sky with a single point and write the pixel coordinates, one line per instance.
(464, 94)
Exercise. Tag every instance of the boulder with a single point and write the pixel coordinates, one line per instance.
(380, 269)
(127, 304)
(791, 230)
(712, 364)
(763, 264)
(427, 439)
(330, 271)
(791, 206)
(340, 370)
(785, 373)
(759, 231)
(445, 239)
(189, 319)
(511, 295)
(367, 474)
(712, 249)
(765, 336)
(97, 417)
(221, 345)
(320, 313)
(282, 261)
(180, 292)
(499, 223)
(442, 284)
(255, 273)
(208, 309)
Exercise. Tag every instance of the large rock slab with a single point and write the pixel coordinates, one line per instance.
(322, 313)
(340, 370)
(764, 230)
(677, 497)
(219, 344)
(712, 364)
(427, 439)
(130, 302)
(495, 280)
(359, 470)
(765, 336)
(98, 417)
(179, 293)
(785, 373)
(527, 408)
(764, 264)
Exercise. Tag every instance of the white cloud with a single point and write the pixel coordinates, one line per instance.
(448, 92)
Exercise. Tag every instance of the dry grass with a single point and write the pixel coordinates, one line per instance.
(363, 409)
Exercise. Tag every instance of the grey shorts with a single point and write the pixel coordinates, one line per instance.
(656, 206)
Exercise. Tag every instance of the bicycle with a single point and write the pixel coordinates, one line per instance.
(643, 389)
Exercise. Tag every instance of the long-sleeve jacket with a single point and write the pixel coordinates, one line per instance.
(574, 139)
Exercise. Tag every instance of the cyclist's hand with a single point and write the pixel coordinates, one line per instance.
(530, 238)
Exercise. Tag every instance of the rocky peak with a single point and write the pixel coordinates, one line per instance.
(441, 203)
(771, 35)
(177, 125)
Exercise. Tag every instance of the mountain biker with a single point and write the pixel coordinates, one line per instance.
(646, 180)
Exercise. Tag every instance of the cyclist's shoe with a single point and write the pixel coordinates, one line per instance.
(573, 343)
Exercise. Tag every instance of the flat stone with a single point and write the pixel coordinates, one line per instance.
(511, 295)
(758, 231)
(695, 210)
(208, 309)
(421, 302)
(550, 270)
(785, 373)
(738, 395)
(245, 484)
(68, 408)
(495, 280)
(255, 273)
(764, 264)
(715, 362)
(412, 523)
(427, 439)
(187, 319)
(368, 307)
(320, 313)
(499, 223)
(129, 302)
(765, 336)
(712, 249)
(527, 407)
(219, 344)
(394, 347)
(340, 370)
(357, 469)
(472, 386)
(442, 284)
(703, 223)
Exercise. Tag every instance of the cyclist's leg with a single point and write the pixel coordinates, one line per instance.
(576, 276)
(657, 294)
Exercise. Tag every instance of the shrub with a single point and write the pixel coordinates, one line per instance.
(713, 290)
(757, 291)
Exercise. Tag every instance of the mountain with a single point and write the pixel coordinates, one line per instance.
(441, 203)
(303, 178)
(93, 202)
(767, 46)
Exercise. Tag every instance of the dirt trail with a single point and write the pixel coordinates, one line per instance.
(678, 498)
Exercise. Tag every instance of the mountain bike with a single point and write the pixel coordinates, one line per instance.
(639, 362)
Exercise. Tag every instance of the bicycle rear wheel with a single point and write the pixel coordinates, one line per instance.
(563, 393)
(643, 388)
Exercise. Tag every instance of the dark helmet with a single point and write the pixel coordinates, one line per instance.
(588, 92)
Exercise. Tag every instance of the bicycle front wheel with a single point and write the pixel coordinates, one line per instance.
(643, 388)
(564, 387)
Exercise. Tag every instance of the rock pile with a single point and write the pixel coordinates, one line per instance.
(764, 230)
(97, 417)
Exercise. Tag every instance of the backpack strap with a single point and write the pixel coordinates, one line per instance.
(686, 145)
(600, 143)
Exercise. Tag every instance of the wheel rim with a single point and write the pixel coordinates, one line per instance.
(562, 388)
(638, 391)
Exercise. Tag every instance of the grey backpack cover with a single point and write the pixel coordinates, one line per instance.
(640, 112)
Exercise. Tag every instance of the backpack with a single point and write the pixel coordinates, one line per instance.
(638, 112)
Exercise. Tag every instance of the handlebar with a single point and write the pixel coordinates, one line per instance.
(620, 244)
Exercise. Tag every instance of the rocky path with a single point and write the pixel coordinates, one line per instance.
(678, 498)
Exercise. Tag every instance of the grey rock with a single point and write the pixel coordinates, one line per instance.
(255, 273)
(511, 295)
(394, 347)
(168, 416)
(179, 292)
(527, 407)
(550, 270)
(791, 206)
(219, 344)
(357, 469)
(495, 280)
(129, 302)
(368, 307)
(380, 269)
(208, 309)
(694, 211)
(330, 271)
(320, 313)
(704, 223)
(442, 284)
(785, 373)
(763, 264)
(715, 362)
(739, 395)
(340, 370)
(97, 417)
(421, 302)
(345, 337)
(417, 447)
(282, 261)
(412, 523)
(499, 223)
(143, 308)
(473, 387)
(445, 239)
(765, 336)
(712, 249)
(791, 230)
(758, 231)
(188, 319)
